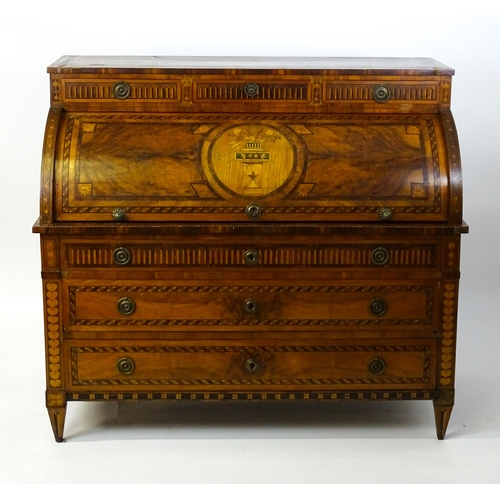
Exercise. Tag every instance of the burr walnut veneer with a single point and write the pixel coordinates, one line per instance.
(250, 229)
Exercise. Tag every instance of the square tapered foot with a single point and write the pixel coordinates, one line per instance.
(57, 415)
(442, 415)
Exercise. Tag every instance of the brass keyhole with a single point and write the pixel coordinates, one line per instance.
(252, 365)
(251, 306)
(253, 211)
(251, 257)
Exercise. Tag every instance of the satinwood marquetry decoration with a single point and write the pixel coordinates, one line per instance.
(224, 229)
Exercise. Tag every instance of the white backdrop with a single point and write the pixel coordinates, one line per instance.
(33, 35)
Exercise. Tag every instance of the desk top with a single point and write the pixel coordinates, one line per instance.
(262, 65)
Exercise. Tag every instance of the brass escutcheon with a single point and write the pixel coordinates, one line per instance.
(253, 211)
(376, 366)
(251, 257)
(251, 306)
(252, 365)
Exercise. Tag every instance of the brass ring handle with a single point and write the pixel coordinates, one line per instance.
(126, 306)
(251, 89)
(251, 257)
(380, 256)
(252, 365)
(121, 256)
(251, 306)
(381, 93)
(121, 90)
(376, 366)
(125, 366)
(378, 306)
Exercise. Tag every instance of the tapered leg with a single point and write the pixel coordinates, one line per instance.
(442, 415)
(56, 406)
(57, 415)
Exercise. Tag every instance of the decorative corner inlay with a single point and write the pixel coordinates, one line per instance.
(56, 398)
(448, 333)
(446, 93)
(88, 128)
(187, 84)
(56, 94)
(317, 92)
(53, 335)
(451, 254)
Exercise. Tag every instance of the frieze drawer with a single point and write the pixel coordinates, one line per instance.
(358, 365)
(128, 254)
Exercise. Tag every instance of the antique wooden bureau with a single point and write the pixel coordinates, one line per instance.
(250, 229)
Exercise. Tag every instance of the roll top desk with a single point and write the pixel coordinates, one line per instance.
(250, 229)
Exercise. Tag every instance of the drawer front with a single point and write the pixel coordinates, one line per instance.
(223, 168)
(229, 305)
(256, 254)
(162, 366)
(257, 93)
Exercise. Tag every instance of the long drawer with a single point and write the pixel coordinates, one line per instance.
(266, 305)
(257, 366)
(140, 254)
